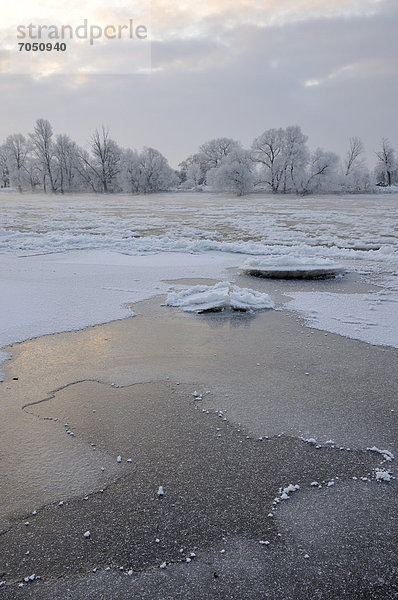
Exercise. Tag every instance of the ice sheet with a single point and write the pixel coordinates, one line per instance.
(63, 292)
(371, 318)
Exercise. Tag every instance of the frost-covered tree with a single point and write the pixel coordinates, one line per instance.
(321, 174)
(353, 158)
(103, 161)
(295, 157)
(386, 162)
(155, 173)
(194, 176)
(279, 160)
(33, 173)
(66, 153)
(17, 149)
(130, 171)
(87, 175)
(267, 151)
(43, 149)
(213, 152)
(355, 175)
(281, 156)
(235, 174)
(192, 172)
(4, 168)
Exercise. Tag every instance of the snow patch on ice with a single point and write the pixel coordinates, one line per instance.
(348, 314)
(290, 489)
(383, 475)
(387, 455)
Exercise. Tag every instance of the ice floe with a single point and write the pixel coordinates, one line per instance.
(223, 295)
(293, 267)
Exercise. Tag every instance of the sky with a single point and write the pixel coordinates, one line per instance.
(229, 68)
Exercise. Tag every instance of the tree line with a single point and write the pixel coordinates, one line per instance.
(279, 160)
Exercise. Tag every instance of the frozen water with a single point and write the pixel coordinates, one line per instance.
(203, 298)
(72, 290)
(70, 262)
(371, 318)
(293, 267)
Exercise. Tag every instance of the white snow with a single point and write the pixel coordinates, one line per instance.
(387, 455)
(311, 441)
(288, 490)
(69, 291)
(293, 267)
(371, 317)
(70, 262)
(202, 298)
(329, 226)
(383, 475)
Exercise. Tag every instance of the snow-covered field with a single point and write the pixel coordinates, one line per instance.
(74, 261)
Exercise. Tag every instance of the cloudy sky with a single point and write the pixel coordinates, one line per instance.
(222, 68)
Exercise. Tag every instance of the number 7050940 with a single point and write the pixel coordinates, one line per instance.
(42, 46)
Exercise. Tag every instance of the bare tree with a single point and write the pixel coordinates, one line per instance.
(4, 169)
(155, 173)
(105, 162)
(267, 150)
(295, 157)
(213, 152)
(235, 174)
(130, 173)
(194, 176)
(43, 148)
(322, 172)
(353, 155)
(17, 150)
(386, 156)
(87, 175)
(195, 164)
(66, 153)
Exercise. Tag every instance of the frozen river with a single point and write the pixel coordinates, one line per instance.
(270, 435)
(258, 224)
(74, 261)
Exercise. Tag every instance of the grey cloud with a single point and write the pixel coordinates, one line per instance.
(233, 81)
